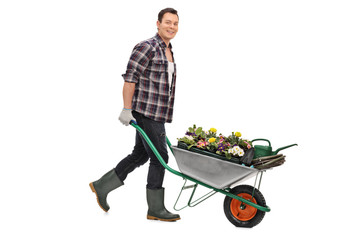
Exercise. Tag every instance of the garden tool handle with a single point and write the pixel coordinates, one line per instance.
(278, 158)
(262, 139)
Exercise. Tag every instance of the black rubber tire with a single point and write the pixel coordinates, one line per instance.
(260, 200)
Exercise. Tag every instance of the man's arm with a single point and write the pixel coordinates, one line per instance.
(139, 60)
(128, 93)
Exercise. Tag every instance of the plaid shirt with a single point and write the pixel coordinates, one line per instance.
(148, 67)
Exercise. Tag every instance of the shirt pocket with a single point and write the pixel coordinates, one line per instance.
(158, 65)
(157, 72)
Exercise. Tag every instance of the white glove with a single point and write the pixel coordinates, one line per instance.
(126, 117)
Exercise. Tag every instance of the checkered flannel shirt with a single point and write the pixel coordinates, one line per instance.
(148, 67)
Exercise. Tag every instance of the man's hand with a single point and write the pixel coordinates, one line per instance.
(126, 116)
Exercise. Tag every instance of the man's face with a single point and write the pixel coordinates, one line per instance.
(168, 26)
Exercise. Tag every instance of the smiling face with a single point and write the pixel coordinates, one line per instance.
(168, 27)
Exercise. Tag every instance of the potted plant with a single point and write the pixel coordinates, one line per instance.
(231, 148)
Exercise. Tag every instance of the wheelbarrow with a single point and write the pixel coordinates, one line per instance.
(244, 205)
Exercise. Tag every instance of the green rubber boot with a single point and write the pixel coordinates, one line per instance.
(103, 186)
(157, 210)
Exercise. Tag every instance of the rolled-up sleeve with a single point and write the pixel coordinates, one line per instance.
(139, 60)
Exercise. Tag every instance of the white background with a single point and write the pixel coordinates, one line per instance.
(282, 70)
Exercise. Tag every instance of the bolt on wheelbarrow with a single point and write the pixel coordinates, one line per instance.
(244, 205)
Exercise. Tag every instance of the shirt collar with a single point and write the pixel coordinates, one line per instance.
(161, 41)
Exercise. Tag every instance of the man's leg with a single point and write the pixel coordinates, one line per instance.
(137, 158)
(115, 177)
(154, 190)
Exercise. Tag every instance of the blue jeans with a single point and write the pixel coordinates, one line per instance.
(142, 152)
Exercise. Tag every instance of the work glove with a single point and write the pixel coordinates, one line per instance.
(126, 117)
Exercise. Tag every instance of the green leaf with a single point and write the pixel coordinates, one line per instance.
(198, 131)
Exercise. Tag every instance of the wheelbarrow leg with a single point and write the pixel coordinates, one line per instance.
(192, 203)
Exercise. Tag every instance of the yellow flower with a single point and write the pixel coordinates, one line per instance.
(213, 130)
(212, 140)
(238, 134)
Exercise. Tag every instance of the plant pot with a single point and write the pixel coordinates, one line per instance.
(183, 145)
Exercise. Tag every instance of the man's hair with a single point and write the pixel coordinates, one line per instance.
(166, 10)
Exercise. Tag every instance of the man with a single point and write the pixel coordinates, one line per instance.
(148, 94)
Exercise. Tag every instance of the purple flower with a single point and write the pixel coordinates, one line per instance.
(221, 147)
(190, 134)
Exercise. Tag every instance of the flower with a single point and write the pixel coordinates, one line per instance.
(247, 144)
(189, 137)
(236, 150)
(211, 140)
(190, 133)
(238, 134)
(202, 144)
(213, 130)
(221, 147)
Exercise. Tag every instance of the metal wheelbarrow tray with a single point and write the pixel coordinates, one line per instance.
(215, 172)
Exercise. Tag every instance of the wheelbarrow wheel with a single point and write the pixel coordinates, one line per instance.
(240, 214)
